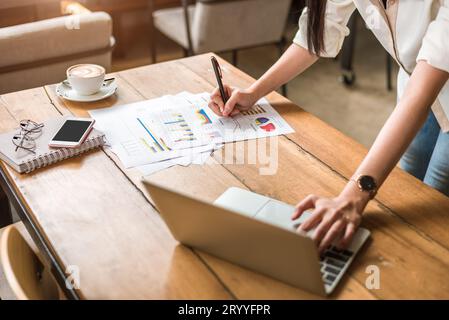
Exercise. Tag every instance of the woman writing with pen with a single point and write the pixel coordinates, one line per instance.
(416, 34)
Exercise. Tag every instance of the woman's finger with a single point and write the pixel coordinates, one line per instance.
(219, 102)
(307, 203)
(235, 112)
(334, 233)
(214, 107)
(230, 105)
(313, 220)
(215, 93)
(228, 90)
(328, 220)
(348, 235)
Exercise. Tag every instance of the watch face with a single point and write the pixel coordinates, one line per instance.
(367, 183)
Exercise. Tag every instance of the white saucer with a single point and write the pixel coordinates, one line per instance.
(66, 92)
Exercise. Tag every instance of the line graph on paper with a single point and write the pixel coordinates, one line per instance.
(145, 140)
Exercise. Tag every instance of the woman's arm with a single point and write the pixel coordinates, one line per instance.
(293, 62)
(340, 216)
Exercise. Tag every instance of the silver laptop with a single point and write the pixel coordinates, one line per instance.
(255, 232)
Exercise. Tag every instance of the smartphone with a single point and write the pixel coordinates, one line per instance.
(72, 133)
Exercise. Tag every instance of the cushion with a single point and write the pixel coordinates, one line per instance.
(55, 37)
(172, 24)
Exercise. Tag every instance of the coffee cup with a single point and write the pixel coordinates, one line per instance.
(86, 79)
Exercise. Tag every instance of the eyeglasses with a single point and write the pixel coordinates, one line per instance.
(26, 138)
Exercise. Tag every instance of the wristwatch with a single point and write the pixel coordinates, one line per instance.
(366, 184)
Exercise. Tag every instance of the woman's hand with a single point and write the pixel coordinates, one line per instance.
(335, 219)
(239, 100)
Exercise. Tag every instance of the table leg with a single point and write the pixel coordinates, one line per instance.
(389, 71)
(347, 53)
(5, 210)
(38, 238)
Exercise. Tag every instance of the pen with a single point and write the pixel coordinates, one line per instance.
(219, 76)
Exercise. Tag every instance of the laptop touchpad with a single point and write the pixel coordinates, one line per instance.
(279, 213)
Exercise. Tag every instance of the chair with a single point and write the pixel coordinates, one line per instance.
(222, 25)
(23, 270)
(38, 53)
(348, 76)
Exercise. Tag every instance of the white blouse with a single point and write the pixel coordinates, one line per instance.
(410, 30)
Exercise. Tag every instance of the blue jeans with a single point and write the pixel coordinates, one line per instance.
(427, 157)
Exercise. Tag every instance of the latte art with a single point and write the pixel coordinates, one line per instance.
(86, 71)
(86, 79)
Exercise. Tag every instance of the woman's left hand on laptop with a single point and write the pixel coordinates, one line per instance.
(334, 219)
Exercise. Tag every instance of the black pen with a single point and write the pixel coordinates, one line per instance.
(219, 76)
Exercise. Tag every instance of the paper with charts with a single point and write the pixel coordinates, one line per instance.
(180, 127)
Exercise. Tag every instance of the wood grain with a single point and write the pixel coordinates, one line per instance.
(116, 234)
(317, 178)
(8, 4)
(215, 179)
(404, 221)
(94, 218)
(414, 202)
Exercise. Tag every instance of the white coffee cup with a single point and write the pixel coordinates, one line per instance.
(86, 79)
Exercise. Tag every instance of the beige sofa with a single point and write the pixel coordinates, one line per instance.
(38, 53)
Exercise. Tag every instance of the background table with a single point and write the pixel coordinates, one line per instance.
(92, 213)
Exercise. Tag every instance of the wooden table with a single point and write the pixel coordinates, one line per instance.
(91, 212)
(8, 4)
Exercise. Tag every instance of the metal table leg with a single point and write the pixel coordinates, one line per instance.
(56, 268)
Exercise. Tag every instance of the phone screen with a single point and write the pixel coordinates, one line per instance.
(72, 130)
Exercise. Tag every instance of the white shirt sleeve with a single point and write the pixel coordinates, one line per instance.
(337, 16)
(435, 46)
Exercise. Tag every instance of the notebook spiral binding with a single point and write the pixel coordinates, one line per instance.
(63, 153)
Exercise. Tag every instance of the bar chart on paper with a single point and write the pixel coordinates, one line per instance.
(152, 141)
(203, 116)
(142, 140)
(259, 121)
(177, 127)
(257, 109)
(146, 140)
(152, 131)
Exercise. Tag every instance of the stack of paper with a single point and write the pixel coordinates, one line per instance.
(156, 134)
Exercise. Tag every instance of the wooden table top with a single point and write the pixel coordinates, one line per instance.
(94, 214)
(9, 4)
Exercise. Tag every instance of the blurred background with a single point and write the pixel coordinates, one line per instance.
(354, 92)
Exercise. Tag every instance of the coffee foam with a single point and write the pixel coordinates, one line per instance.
(86, 71)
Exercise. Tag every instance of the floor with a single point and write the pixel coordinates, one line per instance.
(358, 111)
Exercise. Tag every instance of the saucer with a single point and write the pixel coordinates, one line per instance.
(64, 90)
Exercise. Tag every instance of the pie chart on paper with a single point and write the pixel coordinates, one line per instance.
(261, 120)
(269, 127)
(265, 124)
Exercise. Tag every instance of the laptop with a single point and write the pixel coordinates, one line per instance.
(255, 232)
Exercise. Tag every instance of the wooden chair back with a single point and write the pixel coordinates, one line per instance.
(26, 275)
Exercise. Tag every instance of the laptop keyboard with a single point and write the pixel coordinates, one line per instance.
(332, 263)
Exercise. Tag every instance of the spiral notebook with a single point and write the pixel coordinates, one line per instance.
(25, 161)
